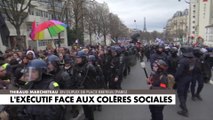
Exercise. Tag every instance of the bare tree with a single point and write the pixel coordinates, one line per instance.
(117, 28)
(103, 20)
(16, 12)
(100, 21)
(90, 23)
(78, 15)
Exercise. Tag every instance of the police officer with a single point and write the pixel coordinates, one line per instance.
(68, 65)
(167, 50)
(208, 64)
(158, 80)
(158, 55)
(198, 74)
(183, 78)
(147, 52)
(99, 78)
(4, 78)
(116, 69)
(61, 76)
(172, 60)
(36, 74)
(85, 75)
(105, 62)
(127, 61)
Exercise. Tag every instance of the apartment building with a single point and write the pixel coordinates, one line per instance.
(39, 12)
(201, 20)
(209, 28)
(177, 27)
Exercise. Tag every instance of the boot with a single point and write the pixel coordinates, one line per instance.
(183, 113)
(99, 108)
(199, 97)
(193, 98)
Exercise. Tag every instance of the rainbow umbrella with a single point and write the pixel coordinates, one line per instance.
(53, 27)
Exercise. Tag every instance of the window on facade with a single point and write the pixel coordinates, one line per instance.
(46, 14)
(40, 13)
(37, 12)
(211, 38)
(42, 43)
(193, 32)
(211, 30)
(31, 11)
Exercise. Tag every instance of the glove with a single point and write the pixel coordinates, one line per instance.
(116, 79)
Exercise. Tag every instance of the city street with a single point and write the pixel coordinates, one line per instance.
(199, 110)
(85, 44)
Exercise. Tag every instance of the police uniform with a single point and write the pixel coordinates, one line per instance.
(117, 73)
(42, 82)
(85, 75)
(183, 78)
(173, 60)
(198, 74)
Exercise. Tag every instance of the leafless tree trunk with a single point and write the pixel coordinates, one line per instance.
(16, 12)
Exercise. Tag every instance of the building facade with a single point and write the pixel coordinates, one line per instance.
(209, 28)
(39, 12)
(177, 26)
(200, 20)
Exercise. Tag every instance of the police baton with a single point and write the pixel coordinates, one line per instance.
(143, 65)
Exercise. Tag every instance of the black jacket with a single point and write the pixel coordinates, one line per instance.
(185, 68)
(85, 76)
(64, 80)
(40, 112)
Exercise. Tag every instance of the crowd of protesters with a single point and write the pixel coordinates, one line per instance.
(100, 67)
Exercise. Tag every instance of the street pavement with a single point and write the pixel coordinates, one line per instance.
(199, 110)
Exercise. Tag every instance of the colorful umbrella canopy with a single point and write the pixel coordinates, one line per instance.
(53, 27)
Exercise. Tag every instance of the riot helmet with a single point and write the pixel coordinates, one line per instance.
(34, 71)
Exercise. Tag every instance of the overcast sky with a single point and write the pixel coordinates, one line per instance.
(157, 12)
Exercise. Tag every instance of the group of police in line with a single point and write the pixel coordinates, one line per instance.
(98, 67)
(180, 72)
(91, 67)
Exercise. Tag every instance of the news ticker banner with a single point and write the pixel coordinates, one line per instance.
(87, 97)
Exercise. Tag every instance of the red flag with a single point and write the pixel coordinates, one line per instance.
(205, 0)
